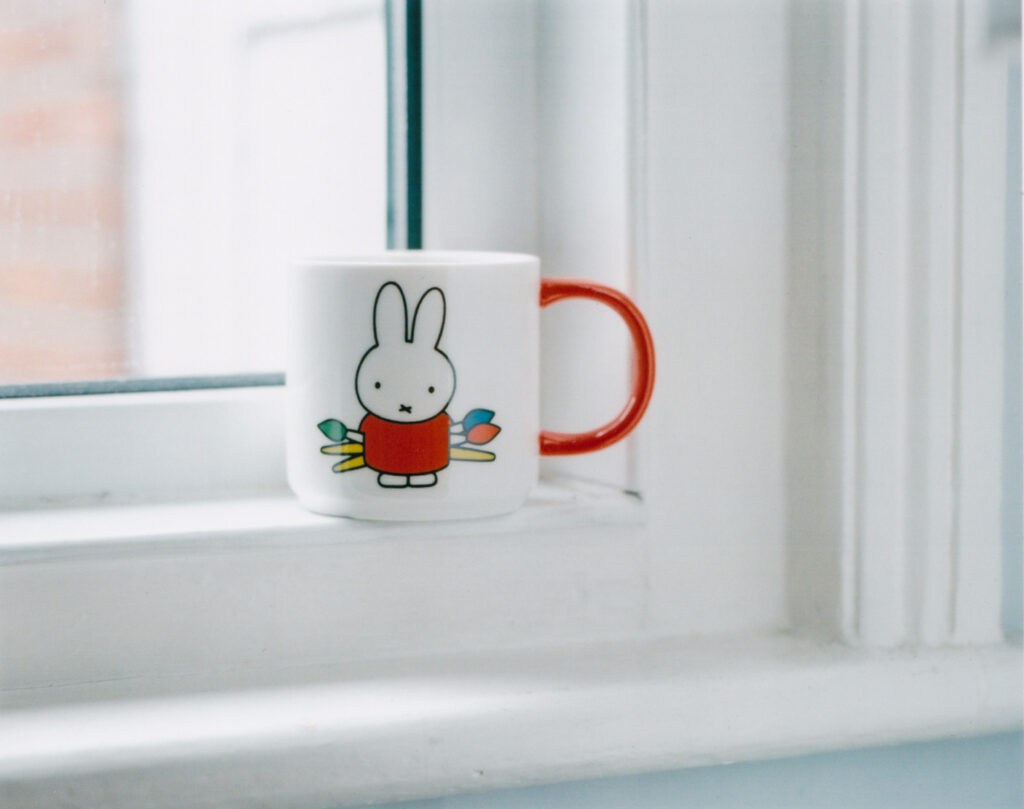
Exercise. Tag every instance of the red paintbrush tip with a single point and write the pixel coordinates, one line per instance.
(482, 433)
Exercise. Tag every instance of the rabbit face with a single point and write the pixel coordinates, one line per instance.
(400, 383)
(406, 379)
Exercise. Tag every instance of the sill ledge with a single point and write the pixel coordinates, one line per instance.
(421, 725)
(433, 726)
(276, 519)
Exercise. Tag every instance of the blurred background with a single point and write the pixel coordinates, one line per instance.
(62, 164)
(155, 175)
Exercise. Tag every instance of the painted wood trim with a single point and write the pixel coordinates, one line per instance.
(909, 429)
(881, 417)
(416, 728)
(980, 316)
(258, 584)
(119, 447)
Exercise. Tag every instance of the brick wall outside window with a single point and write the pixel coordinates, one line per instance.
(62, 245)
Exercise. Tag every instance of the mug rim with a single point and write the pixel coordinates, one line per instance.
(392, 259)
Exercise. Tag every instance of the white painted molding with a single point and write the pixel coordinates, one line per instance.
(119, 447)
(907, 465)
(935, 208)
(878, 230)
(416, 728)
(242, 587)
(979, 319)
(639, 280)
(816, 457)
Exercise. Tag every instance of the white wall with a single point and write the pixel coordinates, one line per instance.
(715, 180)
(645, 149)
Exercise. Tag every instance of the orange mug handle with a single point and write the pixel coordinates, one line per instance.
(555, 289)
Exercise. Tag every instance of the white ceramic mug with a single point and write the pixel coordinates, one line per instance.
(412, 382)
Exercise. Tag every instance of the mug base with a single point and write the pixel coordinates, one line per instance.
(410, 512)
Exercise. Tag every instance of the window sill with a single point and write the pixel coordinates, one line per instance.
(278, 520)
(445, 724)
(227, 651)
(231, 591)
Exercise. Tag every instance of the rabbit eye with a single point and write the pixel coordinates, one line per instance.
(376, 384)
(430, 389)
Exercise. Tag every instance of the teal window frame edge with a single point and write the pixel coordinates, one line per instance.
(412, 177)
(414, 122)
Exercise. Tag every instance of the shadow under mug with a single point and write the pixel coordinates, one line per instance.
(413, 382)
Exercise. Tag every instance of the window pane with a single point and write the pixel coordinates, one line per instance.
(161, 161)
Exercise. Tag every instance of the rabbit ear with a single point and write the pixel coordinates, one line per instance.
(389, 315)
(428, 322)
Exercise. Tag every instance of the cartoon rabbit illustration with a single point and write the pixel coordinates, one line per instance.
(405, 383)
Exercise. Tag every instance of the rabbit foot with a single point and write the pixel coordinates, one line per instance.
(423, 480)
(392, 481)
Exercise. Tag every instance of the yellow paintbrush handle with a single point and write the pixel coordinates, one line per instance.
(351, 463)
(462, 454)
(342, 449)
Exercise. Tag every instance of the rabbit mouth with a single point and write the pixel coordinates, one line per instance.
(405, 409)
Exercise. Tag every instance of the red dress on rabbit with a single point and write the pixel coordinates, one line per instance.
(403, 448)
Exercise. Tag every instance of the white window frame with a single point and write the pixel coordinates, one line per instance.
(914, 94)
(548, 642)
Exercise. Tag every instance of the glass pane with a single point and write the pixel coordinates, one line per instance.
(161, 161)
